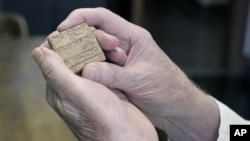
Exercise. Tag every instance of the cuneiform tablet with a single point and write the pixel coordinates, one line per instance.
(77, 46)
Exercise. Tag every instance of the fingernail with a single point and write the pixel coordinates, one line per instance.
(37, 55)
(92, 73)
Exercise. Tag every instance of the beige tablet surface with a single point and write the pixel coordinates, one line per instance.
(77, 46)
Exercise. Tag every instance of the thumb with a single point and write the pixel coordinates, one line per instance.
(65, 83)
(56, 73)
(110, 75)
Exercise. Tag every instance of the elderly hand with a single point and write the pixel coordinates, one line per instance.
(148, 77)
(91, 110)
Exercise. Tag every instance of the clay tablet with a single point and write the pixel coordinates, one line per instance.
(77, 46)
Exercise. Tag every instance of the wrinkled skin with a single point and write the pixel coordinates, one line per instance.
(91, 110)
(142, 73)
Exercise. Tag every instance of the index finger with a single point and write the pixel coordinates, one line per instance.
(100, 18)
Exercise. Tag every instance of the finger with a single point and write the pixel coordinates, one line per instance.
(100, 18)
(107, 41)
(117, 56)
(108, 74)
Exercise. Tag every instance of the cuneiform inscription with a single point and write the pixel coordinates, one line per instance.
(77, 46)
(72, 34)
(82, 57)
(79, 66)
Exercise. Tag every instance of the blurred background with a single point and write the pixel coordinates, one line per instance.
(208, 39)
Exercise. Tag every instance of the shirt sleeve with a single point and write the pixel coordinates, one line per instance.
(228, 117)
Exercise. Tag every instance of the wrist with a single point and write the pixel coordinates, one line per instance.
(199, 121)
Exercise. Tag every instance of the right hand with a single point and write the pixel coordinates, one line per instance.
(149, 78)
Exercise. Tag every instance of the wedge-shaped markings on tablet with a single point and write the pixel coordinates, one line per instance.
(77, 46)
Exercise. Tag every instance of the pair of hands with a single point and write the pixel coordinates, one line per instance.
(125, 99)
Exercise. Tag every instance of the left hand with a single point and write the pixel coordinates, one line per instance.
(91, 110)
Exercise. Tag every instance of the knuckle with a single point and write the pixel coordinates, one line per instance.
(119, 76)
(146, 33)
(76, 11)
(102, 9)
